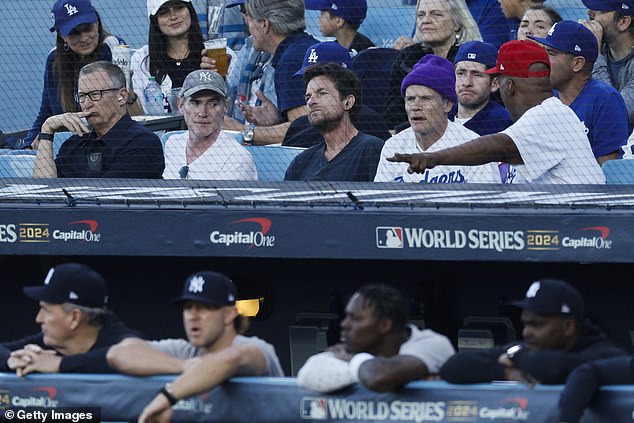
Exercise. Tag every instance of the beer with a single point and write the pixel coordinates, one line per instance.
(217, 50)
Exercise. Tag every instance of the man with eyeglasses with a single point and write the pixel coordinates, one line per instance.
(106, 143)
(204, 151)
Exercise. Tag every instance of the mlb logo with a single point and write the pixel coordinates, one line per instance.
(313, 408)
(389, 237)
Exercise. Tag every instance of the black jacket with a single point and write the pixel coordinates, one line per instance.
(546, 366)
(93, 361)
(586, 379)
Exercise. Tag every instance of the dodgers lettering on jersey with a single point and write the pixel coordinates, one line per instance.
(452, 177)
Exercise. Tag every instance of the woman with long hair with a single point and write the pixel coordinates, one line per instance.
(81, 39)
(174, 47)
(441, 27)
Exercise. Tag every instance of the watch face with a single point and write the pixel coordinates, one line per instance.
(512, 350)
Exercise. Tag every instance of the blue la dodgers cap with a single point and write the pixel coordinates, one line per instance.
(208, 287)
(326, 52)
(353, 11)
(552, 297)
(71, 283)
(624, 6)
(571, 37)
(67, 14)
(477, 51)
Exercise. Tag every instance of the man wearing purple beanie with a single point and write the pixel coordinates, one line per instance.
(430, 93)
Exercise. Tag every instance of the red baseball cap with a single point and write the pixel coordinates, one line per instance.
(516, 57)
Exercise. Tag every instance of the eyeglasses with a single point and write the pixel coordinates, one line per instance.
(183, 171)
(95, 95)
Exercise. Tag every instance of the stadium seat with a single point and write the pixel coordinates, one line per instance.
(166, 136)
(485, 332)
(16, 165)
(272, 161)
(308, 336)
(373, 67)
(619, 172)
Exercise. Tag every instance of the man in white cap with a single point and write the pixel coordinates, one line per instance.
(77, 328)
(204, 151)
(214, 351)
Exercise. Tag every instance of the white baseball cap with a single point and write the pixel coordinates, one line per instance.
(154, 5)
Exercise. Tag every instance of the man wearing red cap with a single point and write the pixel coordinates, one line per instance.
(77, 328)
(547, 143)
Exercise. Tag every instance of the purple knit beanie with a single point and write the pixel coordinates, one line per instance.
(433, 72)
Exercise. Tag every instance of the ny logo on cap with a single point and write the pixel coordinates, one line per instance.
(49, 276)
(532, 290)
(313, 56)
(196, 284)
(205, 76)
(70, 9)
(472, 56)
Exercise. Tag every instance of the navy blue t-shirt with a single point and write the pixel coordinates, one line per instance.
(356, 162)
(128, 150)
(288, 59)
(493, 118)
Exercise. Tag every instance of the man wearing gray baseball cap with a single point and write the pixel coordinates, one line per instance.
(204, 151)
(77, 328)
(215, 349)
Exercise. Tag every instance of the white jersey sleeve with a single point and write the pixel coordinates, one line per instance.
(430, 347)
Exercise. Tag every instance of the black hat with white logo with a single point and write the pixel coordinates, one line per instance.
(71, 283)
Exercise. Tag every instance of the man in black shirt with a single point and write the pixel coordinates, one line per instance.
(77, 328)
(107, 142)
(556, 340)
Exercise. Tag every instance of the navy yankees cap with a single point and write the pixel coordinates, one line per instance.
(571, 37)
(71, 283)
(208, 287)
(552, 297)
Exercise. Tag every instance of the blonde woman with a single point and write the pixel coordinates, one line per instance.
(441, 27)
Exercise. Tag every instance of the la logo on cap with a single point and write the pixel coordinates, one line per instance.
(313, 57)
(196, 284)
(70, 9)
(532, 290)
(552, 29)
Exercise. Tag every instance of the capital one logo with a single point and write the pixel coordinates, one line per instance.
(253, 238)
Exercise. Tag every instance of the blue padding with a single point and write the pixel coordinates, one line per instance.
(619, 172)
(272, 161)
(16, 165)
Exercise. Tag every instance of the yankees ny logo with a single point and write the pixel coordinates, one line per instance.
(205, 76)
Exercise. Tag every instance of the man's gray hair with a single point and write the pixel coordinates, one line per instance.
(113, 71)
(285, 16)
(95, 316)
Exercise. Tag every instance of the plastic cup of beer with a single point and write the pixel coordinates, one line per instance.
(217, 50)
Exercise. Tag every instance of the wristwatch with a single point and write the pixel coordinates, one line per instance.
(512, 351)
(167, 391)
(45, 137)
(247, 134)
